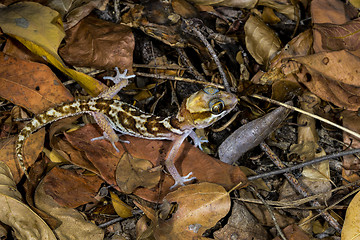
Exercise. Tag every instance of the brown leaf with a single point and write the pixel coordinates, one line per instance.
(134, 172)
(199, 207)
(338, 37)
(105, 158)
(333, 77)
(100, 44)
(70, 189)
(31, 85)
(261, 41)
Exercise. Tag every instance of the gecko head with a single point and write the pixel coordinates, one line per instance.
(205, 107)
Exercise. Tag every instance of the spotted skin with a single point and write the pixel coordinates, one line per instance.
(127, 119)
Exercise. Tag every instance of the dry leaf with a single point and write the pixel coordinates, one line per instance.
(70, 189)
(351, 227)
(42, 35)
(333, 77)
(31, 85)
(338, 37)
(134, 172)
(73, 224)
(121, 208)
(100, 44)
(105, 158)
(294, 232)
(14, 213)
(261, 41)
(199, 207)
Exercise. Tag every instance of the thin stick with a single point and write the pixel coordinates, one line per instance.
(355, 134)
(174, 78)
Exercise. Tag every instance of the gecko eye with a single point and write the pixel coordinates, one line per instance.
(216, 106)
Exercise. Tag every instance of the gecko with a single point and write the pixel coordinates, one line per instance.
(200, 110)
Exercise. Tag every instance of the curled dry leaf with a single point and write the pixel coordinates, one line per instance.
(14, 213)
(100, 44)
(31, 85)
(199, 207)
(351, 227)
(250, 135)
(73, 224)
(121, 208)
(261, 41)
(39, 28)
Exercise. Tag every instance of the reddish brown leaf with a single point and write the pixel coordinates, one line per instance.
(105, 158)
(70, 189)
(31, 85)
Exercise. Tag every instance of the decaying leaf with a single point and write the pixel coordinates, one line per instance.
(135, 172)
(261, 41)
(14, 213)
(199, 207)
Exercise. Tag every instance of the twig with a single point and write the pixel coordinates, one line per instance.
(192, 69)
(191, 29)
(297, 185)
(270, 212)
(315, 160)
(173, 78)
(355, 134)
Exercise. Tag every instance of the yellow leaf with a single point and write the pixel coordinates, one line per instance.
(121, 208)
(40, 29)
(351, 227)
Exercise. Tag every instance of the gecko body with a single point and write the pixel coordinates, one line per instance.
(199, 110)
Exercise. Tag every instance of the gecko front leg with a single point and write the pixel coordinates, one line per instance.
(169, 162)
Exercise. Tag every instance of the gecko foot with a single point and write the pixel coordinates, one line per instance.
(119, 76)
(182, 180)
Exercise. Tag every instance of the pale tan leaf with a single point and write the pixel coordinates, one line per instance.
(13, 212)
(351, 227)
(261, 41)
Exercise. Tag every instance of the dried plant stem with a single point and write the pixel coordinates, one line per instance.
(355, 134)
(331, 206)
(271, 212)
(298, 187)
(173, 78)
